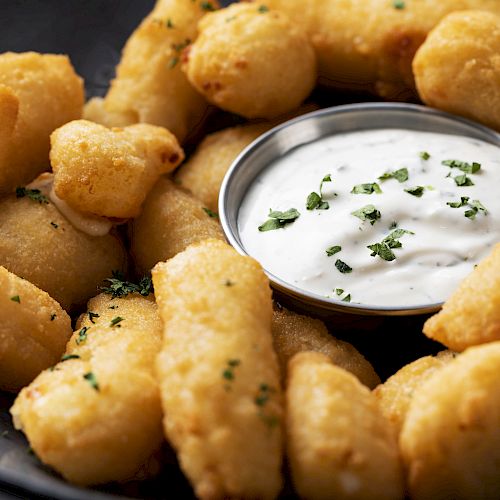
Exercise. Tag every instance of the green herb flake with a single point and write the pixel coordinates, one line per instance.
(343, 267)
(210, 213)
(463, 180)
(263, 9)
(263, 395)
(333, 250)
(173, 62)
(367, 188)
(326, 178)
(464, 200)
(67, 357)
(54, 225)
(400, 175)
(475, 207)
(424, 155)
(384, 248)
(315, 201)
(367, 213)
(207, 6)
(229, 283)
(228, 372)
(417, 191)
(92, 380)
(116, 321)
(347, 298)
(278, 220)
(16, 298)
(82, 335)
(92, 315)
(398, 4)
(32, 194)
(169, 23)
(53, 316)
(468, 168)
(118, 287)
(113, 307)
(339, 291)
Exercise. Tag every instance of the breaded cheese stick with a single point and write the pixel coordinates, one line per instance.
(38, 93)
(218, 372)
(339, 443)
(471, 315)
(293, 333)
(34, 330)
(96, 417)
(149, 86)
(171, 219)
(450, 441)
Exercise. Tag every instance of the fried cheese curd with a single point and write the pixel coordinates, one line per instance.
(109, 172)
(370, 44)
(457, 69)
(39, 244)
(450, 441)
(396, 393)
(251, 61)
(96, 417)
(171, 219)
(294, 333)
(218, 373)
(149, 86)
(38, 93)
(34, 330)
(339, 443)
(471, 315)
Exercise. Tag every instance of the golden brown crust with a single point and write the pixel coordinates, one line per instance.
(339, 444)
(450, 440)
(34, 330)
(457, 69)
(170, 221)
(38, 93)
(95, 436)
(471, 315)
(218, 373)
(293, 333)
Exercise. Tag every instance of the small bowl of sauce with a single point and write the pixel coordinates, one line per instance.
(368, 209)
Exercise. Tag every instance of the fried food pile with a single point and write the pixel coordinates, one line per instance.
(104, 218)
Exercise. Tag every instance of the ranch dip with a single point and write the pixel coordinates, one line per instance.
(384, 217)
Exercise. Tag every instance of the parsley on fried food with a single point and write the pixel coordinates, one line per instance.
(67, 357)
(400, 175)
(115, 321)
(32, 194)
(210, 213)
(16, 298)
(82, 335)
(278, 220)
(92, 380)
(119, 287)
(228, 372)
(263, 9)
(398, 4)
(367, 213)
(92, 315)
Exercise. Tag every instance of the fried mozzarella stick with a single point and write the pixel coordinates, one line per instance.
(218, 373)
(96, 417)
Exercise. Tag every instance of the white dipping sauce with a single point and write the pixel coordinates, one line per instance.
(430, 263)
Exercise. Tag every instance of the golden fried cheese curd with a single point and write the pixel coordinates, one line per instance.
(109, 172)
(251, 61)
(40, 245)
(149, 86)
(471, 315)
(218, 373)
(370, 44)
(38, 93)
(396, 393)
(171, 219)
(457, 69)
(339, 443)
(450, 441)
(34, 330)
(294, 333)
(96, 417)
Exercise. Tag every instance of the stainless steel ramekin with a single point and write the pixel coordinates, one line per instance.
(311, 127)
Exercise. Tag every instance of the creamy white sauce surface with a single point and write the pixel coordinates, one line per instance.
(430, 263)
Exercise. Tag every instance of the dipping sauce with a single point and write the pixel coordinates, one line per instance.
(397, 218)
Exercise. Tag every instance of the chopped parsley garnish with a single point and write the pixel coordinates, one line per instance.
(468, 168)
(67, 357)
(347, 298)
(228, 372)
(82, 335)
(333, 250)
(400, 175)
(173, 62)
(16, 298)
(457, 204)
(32, 194)
(339, 291)
(213, 215)
(207, 6)
(278, 220)
(369, 213)
(367, 188)
(92, 315)
(393, 225)
(263, 395)
(383, 249)
(116, 321)
(315, 201)
(169, 23)
(118, 287)
(263, 9)
(463, 180)
(475, 207)
(398, 4)
(417, 191)
(53, 316)
(343, 267)
(229, 283)
(92, 380)
(113, 307)
(54, 225)
(424, 155)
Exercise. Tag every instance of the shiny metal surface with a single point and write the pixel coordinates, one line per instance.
(308, 128)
